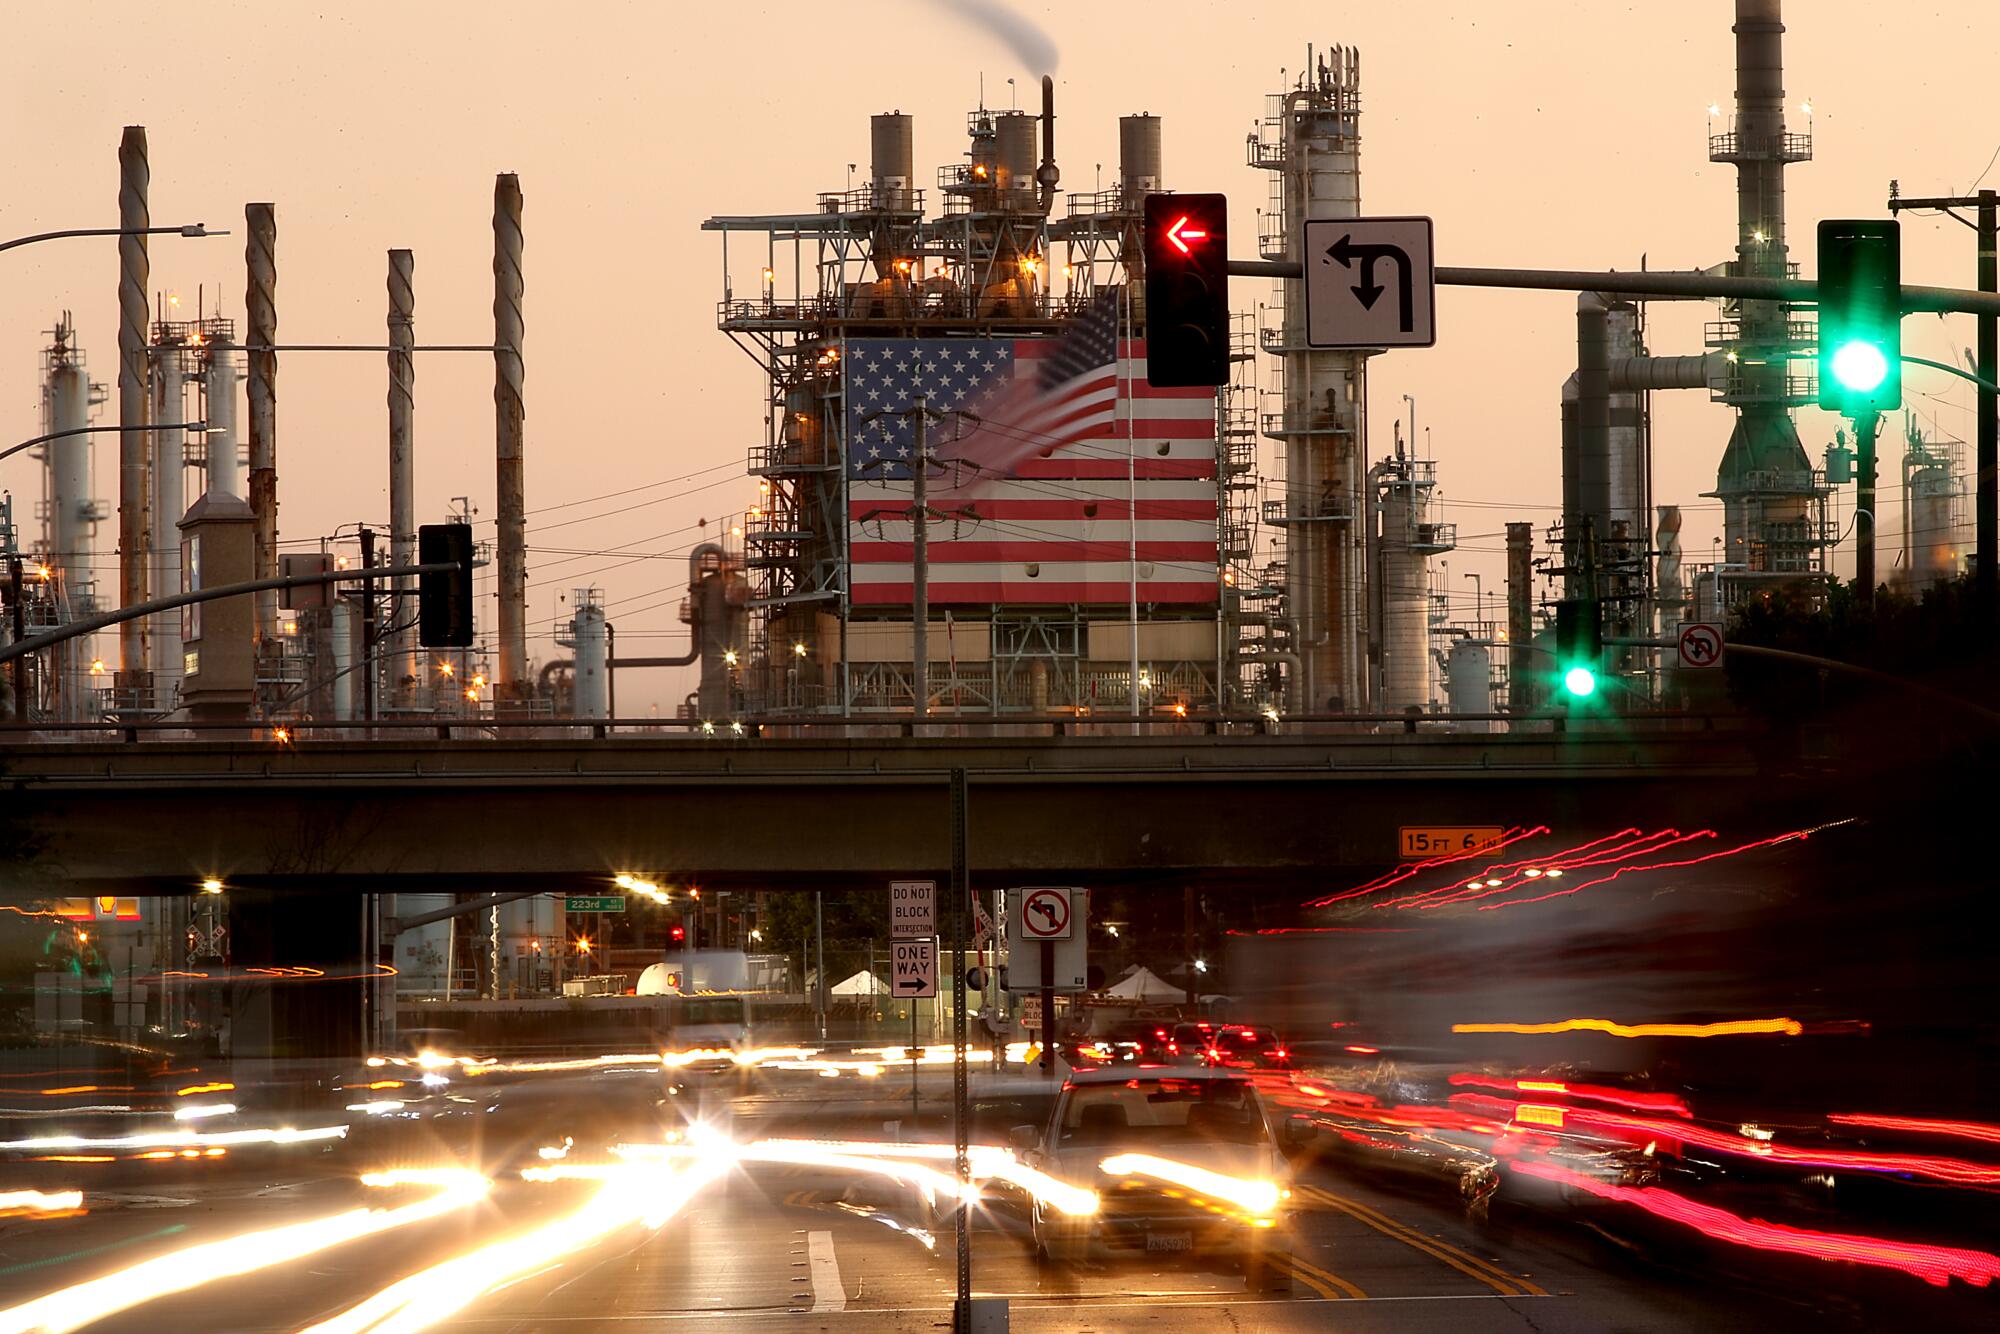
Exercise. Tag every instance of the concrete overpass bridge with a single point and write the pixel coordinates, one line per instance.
(155, 813)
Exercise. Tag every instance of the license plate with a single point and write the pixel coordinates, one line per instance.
(1170, 1241)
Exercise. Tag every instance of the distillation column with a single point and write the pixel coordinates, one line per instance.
(1765, 479)
(1324, 421)
(169, 393)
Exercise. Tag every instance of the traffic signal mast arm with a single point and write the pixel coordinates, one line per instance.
(1660, 286)
(92, 624)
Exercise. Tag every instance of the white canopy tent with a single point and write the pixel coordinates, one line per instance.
(863, 983)
(1142, 984)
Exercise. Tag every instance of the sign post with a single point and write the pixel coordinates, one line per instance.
(913, 916)
(1045, 917)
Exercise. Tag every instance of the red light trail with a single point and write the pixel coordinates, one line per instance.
(1974, 1130)
(1404, 872)
(1640, 1130)
(1936, 1265)
(1628, 1098)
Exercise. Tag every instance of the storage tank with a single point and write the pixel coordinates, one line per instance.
(890, 159)
(1468, 681)
(1138, 157)
(1014, 157)
(423, 955)
(1933, 539)
(1406, 659)
(590, 681)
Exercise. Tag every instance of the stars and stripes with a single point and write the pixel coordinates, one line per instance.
(1035, 487)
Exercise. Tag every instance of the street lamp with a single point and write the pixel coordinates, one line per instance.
(192, 229)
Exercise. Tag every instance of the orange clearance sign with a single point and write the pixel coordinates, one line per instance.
(1415, 841)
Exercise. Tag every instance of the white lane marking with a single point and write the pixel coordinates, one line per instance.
(828, 1294)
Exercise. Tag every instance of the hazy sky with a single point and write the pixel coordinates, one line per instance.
(1550, 133)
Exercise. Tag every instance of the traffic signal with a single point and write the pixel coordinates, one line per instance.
(444, 599)
(1187, 290)
(1860, 315)
(679, 934)
(1579, 646)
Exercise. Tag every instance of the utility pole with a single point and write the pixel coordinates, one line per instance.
(1986, 507)
(368, 627)
(21, 710)
(920, 572)
(919, 514)
(1866, 426)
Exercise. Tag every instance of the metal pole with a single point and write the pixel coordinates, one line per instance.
(260, 305)
(134, 274)
(1187, 941)
(404, 672)
(920, 574)
(961, 888)
(1987, 571)
(1866, 425)
(21, 710)
(510, 439)
(819, 960)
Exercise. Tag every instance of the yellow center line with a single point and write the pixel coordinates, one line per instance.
(1323, 1281)
(1507, 1285)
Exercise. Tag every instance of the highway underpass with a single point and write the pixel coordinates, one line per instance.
(517, 812)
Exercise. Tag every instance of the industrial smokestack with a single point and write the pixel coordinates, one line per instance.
(403, 660)
(134, 273)
(509, 415)
(225, 476)
(1048, 175)
(260, 305)
(1591, 520)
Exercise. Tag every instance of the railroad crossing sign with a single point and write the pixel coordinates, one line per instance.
(1699, 643)
(1369, 283)
(912, 909)
(1045, 914)
(913, 969)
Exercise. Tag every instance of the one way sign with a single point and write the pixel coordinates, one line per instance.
(1370, 283)
(913, 972)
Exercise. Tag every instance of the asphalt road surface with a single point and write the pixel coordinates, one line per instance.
(776, 1245)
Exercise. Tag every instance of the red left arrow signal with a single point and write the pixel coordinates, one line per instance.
(1180, 234)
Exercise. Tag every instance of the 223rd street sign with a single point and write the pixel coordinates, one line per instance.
(1370, 283)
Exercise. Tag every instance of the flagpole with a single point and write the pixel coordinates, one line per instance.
(1131, 492)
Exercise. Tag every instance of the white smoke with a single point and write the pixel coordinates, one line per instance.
(1036, 49)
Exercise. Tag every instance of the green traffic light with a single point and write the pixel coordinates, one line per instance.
(1860, 366)
(1580, 682)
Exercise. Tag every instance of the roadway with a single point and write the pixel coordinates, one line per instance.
(768, 1245)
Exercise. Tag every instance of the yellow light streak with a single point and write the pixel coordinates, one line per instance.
(1727, 1028)
(185, 1139)
(1251, 1194)
(644, 1194)
(191, 1266)
(40, 1202)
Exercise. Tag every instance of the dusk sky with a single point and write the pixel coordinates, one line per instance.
(1549, 134)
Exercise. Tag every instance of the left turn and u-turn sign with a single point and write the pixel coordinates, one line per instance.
(1370, 282)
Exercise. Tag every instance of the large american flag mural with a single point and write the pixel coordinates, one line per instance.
(1033, 493)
